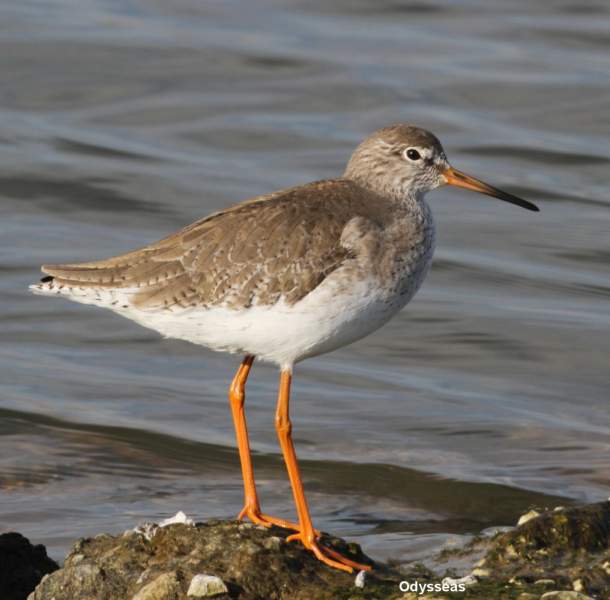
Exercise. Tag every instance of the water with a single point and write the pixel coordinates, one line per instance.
(122, 121)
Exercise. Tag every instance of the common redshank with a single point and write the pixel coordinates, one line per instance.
(286, 276)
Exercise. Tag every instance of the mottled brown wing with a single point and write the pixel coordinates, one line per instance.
(281, 245)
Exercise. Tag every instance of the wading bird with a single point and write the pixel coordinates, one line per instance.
(287, 276)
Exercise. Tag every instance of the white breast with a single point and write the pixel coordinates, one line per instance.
(331, 316)
(348, 305)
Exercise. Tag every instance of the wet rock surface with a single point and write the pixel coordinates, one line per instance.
(557, 555)
(560, 554)
(22, 566)
(221, 560)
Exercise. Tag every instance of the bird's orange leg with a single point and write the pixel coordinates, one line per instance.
(237, 397)
(307, 534)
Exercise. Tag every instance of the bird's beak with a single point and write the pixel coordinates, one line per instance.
(454, 177)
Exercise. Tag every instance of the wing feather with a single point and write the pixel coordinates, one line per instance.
(277, 246)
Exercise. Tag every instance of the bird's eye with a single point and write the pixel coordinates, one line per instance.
(412, 154)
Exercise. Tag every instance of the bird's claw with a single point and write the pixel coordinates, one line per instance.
(258, 518)
(328, 556)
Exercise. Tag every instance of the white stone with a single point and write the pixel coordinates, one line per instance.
(546, 582)
(466, 580)
(179, 517)
(528, 516)
(203, 585)
(578, 585)
(148, 530)
(481, 573)
(360, 579)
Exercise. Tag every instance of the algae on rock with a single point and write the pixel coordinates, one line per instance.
(558, 554)
(248, 562)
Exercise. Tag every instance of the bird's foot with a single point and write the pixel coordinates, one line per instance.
(328, 556)
(258, 518)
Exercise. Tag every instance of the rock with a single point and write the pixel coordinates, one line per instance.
(557, 548)
(528, 516)
(179, 517)
(465, 581)
(81, 581)
(147, 530)
(567, 549)
(273, 543)
(360, 580)
(565, 596)
(204, 586)
(545, 582)
(164, 587)
(481, 573)
(22, 566)
(217, 559)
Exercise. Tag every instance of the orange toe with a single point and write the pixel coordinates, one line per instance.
(258, 518)
(328, 556)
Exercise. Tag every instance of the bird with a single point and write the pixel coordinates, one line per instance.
(286, 276)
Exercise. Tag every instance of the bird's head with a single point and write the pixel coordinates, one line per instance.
(405, 161)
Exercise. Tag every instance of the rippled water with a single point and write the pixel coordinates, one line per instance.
(122, 121)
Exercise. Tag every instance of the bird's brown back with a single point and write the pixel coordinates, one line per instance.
(280, 245)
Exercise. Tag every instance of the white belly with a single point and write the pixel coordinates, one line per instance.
(285, 334)
(341, 310)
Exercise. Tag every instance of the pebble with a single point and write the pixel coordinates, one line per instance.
(360, 579)
(179, 517)
(203, 586)
(466, 580)
(528, 516)
(565, 596)
(545, 582)
(164, 586)
(481, 573)
(272, 543)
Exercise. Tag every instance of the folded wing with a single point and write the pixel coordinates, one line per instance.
(278, 246)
